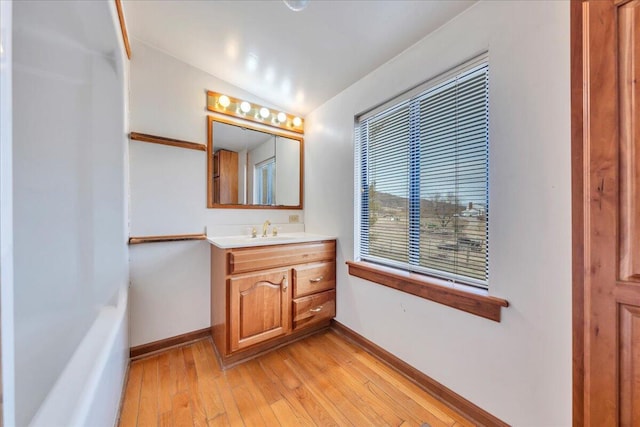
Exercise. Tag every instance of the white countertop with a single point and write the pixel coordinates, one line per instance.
(229, 242)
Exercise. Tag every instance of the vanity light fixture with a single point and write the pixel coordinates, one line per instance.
(230, 106)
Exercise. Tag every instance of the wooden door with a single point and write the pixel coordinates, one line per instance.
(260, 306)
(606, 211)
(228, 184)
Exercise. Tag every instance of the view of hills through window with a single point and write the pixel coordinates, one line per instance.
(452, 235)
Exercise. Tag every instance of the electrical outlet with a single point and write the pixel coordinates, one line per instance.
(294, 219)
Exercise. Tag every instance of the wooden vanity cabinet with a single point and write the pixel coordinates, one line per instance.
(263, 297)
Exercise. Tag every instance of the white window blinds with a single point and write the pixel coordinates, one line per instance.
(424, 179)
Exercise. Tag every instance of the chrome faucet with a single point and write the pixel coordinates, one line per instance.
(266, 224)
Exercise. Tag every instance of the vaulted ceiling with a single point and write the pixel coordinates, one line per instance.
(296, 60)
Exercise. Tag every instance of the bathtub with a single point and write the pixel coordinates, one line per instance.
(88, 391)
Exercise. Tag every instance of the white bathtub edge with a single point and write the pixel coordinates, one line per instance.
(74, 399)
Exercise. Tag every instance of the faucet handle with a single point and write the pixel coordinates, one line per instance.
(254, 232)
(275, 231)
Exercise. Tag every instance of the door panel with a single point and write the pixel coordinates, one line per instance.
(607, 299)
(629, 70)
(629, 365)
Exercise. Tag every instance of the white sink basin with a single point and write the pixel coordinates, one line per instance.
(228, 242)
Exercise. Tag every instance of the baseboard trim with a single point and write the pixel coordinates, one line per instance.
(447, 396)
(156, 346)
(258, 350)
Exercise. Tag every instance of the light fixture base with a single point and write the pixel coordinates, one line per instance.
(296, 5)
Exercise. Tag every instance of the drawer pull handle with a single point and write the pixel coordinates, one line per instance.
(316, 280)
(316, 310)
(284, 285)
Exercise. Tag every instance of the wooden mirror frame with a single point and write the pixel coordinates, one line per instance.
(242, 123)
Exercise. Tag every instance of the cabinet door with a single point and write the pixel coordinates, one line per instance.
(259, 307)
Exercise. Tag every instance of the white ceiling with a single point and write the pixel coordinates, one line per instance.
(296, 60)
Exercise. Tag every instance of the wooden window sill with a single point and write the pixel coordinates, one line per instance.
(472, 301)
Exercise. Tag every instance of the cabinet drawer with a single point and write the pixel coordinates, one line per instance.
(312, 278)
(313, 309)
(260, 258)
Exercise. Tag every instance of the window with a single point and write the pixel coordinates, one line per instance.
(265, 178)
(423, 181)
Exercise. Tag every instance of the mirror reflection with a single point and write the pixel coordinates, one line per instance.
(253, 167)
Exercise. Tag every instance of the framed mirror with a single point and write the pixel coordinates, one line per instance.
(252, 167)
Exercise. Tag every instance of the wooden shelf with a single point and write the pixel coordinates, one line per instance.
(143, 137)
(171, 238)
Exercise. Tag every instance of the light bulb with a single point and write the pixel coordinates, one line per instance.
(245, 107)
(224, 101)
(264, 112)
(297, 121)
(282, 117)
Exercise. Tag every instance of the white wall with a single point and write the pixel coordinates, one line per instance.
(519, 369)
(69, 169)
(6, 217)
(170, 281)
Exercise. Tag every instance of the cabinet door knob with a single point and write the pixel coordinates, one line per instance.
(317, 309)
(284, 285)
(316, 280)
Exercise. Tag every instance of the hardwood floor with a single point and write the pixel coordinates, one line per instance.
(322, 380)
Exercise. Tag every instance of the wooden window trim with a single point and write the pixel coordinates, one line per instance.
(472, 301)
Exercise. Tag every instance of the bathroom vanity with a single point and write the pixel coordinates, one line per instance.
(268, 291)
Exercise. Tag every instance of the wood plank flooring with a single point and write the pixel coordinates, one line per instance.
(323, 380)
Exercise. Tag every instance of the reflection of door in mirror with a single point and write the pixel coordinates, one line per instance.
(225, 176)
(253, 167)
